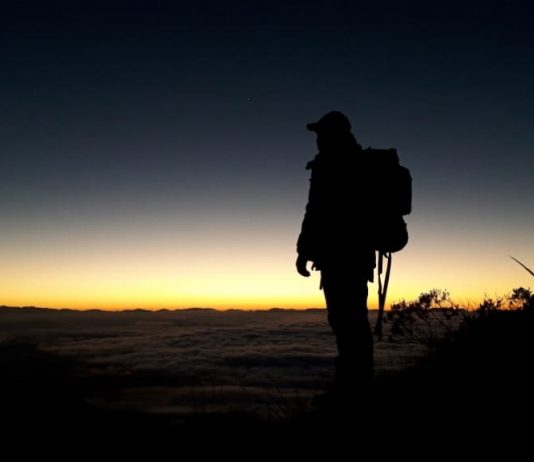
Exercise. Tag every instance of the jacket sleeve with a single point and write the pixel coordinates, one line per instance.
(306, 243)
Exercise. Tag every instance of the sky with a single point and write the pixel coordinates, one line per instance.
(152, 153)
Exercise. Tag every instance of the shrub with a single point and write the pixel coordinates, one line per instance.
(432, 316)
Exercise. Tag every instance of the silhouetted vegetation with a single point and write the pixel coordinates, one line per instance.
(430, 317)
(485, 358)
(523, 265)
(433, 316)
(490, 354)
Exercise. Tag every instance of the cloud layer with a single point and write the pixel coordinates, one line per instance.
(189, 360)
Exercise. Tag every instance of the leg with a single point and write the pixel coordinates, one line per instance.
(346, 300)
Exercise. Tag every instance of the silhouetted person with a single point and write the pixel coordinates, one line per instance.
(334, 238)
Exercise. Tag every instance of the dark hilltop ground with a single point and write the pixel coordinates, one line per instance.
(70, 378)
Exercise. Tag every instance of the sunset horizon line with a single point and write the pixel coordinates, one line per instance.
(156, 310)
(469, 306)
(469, 302)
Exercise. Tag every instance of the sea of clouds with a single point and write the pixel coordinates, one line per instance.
(194, 360)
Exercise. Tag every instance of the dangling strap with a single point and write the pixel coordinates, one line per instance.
(382, 290)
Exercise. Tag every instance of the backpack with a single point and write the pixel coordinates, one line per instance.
(388, 203)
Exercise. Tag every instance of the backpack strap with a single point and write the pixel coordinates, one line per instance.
(382, 289)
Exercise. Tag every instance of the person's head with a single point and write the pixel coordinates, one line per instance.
(333, 132)
(334, 123)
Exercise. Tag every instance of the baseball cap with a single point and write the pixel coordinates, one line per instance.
(334, 121)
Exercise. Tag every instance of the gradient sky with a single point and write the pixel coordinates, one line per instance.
(152, 153)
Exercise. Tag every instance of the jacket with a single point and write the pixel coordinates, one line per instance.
(334, 229)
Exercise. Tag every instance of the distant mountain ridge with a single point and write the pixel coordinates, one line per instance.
(37, 309)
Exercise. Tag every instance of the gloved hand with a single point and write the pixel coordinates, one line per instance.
(301, 266)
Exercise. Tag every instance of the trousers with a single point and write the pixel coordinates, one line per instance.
(345, 291)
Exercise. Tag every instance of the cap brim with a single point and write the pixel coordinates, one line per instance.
(313, 127)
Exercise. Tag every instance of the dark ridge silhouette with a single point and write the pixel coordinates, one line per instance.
(198, 309)
(33, 309)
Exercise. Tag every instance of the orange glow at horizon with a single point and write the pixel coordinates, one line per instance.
(148, 268)
(222, 283)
